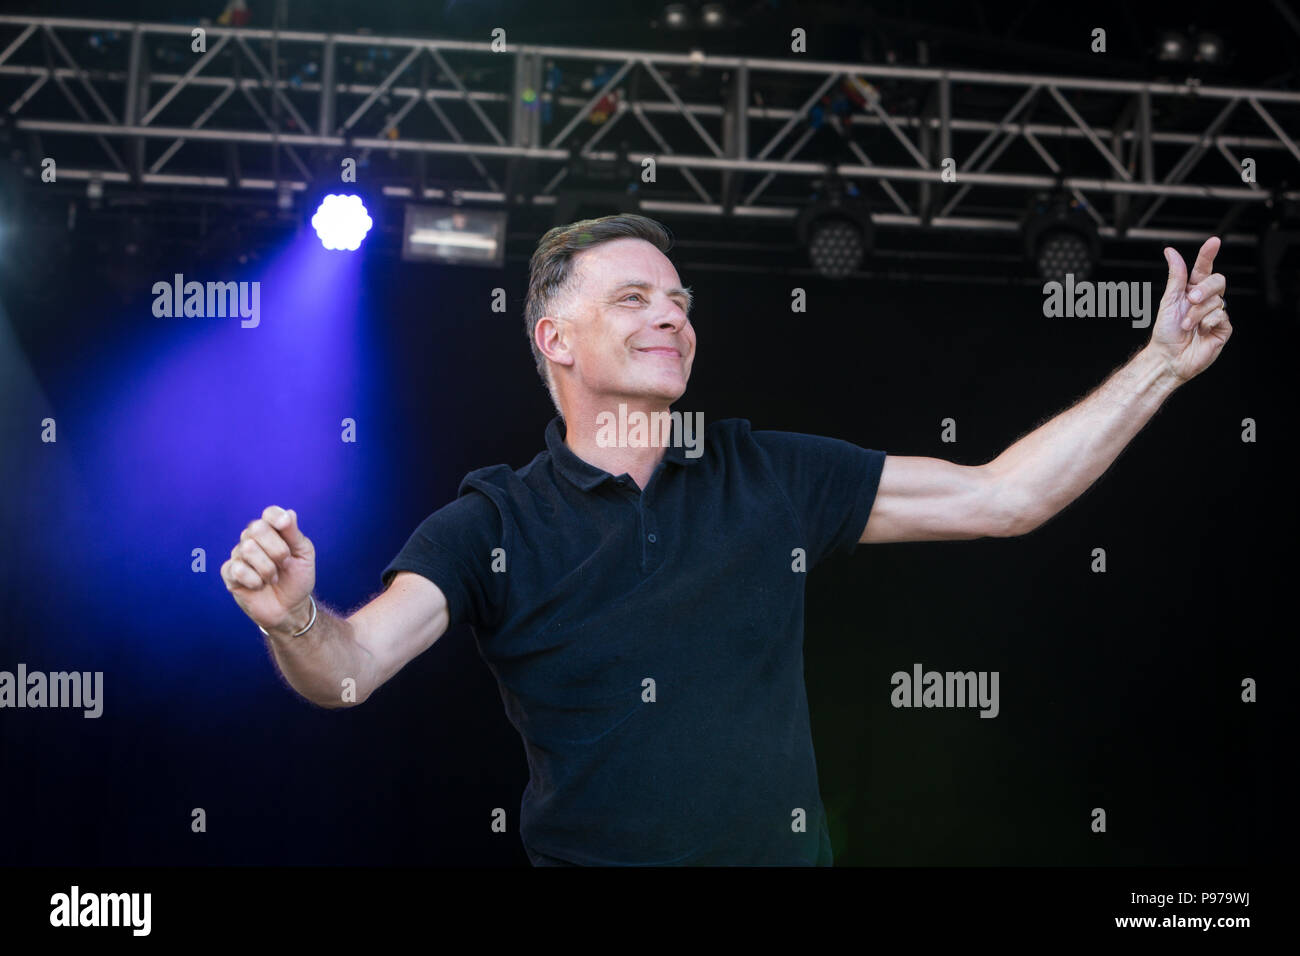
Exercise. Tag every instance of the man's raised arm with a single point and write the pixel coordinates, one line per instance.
(928, 499)
(271, 573)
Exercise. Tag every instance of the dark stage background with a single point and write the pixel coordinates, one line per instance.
(1119, 690)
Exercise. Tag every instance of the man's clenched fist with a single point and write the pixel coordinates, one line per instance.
(272, 570)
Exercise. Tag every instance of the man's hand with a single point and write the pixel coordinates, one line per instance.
(272, 570)
(1192, 326)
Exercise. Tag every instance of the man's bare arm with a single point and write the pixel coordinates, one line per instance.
(927, 499)
(399, 625)
(271, 574)
(369, 646)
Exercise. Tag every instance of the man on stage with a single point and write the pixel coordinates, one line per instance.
(639, 601)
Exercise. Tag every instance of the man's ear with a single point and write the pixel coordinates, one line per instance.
(549, 336)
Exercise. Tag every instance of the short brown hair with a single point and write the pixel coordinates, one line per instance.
(551, 273)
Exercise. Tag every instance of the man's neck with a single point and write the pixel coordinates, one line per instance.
(597, 433)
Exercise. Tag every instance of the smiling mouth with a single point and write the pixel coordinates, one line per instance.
(662, 351)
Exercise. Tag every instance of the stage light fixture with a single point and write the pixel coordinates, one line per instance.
(454, 235)
(836, 230)
(677, 16)
(1172, 47)
(342, 222)
(713, 16)
(1279, 252)
(1209, 48)
(1061, 238)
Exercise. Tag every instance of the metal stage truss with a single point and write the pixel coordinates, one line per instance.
(130, 105)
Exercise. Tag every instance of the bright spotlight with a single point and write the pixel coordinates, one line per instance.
(341, 222)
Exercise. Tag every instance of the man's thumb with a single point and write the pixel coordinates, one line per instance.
(1177, 273)
(292, 534)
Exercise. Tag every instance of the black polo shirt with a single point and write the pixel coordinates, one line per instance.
(648, 644)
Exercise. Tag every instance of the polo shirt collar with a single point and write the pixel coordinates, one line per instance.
(584, 474)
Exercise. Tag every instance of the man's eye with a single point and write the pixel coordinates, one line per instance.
(630, 294)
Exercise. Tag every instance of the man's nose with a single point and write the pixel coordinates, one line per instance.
(671, 318)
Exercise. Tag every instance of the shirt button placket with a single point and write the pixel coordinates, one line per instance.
(650, 538)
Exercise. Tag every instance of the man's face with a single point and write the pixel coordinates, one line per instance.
(628, 329)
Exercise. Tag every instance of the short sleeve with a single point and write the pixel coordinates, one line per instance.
(831, 485)
(453, 549)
